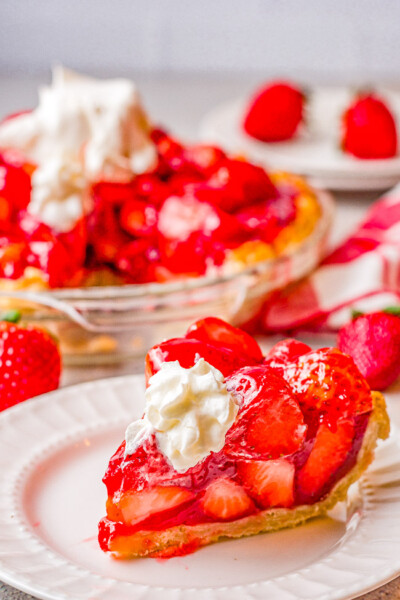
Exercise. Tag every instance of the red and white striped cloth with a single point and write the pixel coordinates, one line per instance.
(363, 274)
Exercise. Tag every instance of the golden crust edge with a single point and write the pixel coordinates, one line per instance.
(153, 543)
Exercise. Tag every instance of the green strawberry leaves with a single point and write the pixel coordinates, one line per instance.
(11, 316)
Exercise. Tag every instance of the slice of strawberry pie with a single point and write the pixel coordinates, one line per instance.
(233, 443)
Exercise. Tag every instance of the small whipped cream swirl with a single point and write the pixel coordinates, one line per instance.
(188, 410)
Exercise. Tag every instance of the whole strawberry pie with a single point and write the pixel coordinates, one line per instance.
(234, 443)
(91, 193)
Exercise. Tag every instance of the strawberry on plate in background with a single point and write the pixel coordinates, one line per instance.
(30, 361)
(275, 112)
(369, 128)
(342, 138)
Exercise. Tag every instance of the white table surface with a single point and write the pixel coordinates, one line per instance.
(179, 103)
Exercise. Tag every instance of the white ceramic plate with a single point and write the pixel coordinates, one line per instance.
(53, 453)
(315, 151)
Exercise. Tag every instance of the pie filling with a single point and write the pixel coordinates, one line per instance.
(99, 196)
(303, 419)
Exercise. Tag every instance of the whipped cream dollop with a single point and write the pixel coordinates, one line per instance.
(188, 410)
(83, 127)
(58, 193)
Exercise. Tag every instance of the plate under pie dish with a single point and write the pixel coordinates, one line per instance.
(114, 235)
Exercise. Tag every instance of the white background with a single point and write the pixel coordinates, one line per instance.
(317, 40)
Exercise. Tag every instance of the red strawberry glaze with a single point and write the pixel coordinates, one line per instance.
(300, 425)
(216, 331)
(193, 209)
(188, 351)
(266, 220)
(328, 386)
(127, 477)
(270, 423)
(309, 496)
(148, 466)
(285, 352)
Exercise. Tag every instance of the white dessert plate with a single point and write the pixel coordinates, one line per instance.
(53, 453)
(315, 152)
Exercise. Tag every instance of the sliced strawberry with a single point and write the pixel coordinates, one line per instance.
(235, 185)
(190, 257)
(138, 218)
(75, 242)
(137, 506)
(32, 228)
(54, 260)
(329, 452)
(205, 158)
(13, 258)
(138, 260)
(267, 219)
(270, 423)
(180, 183)
(182, 216)
(104, 232)
(113, 192)
(328, 384)
(214, 330)
(146, 468)
(152, 189)
(171, 152)
(113, 510)
(285, 352)
(15, 185)
(184, 257)
(188, 351)
(269, 482)
(224, 499)
(5, 212)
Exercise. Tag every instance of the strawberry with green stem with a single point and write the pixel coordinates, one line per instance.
(30, 361)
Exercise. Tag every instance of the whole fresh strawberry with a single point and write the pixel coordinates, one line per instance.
(373, 341)
(275, 112)
(30, 362)
(369, 129)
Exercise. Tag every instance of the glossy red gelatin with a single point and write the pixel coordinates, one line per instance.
(179, 220)
(292, 440)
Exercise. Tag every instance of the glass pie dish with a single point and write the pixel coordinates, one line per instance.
(100, 325)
